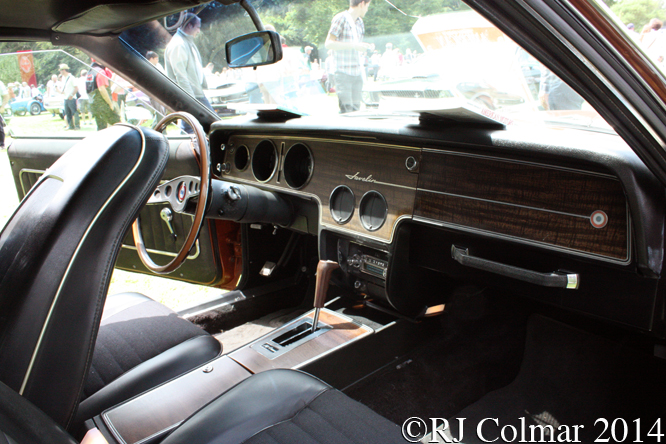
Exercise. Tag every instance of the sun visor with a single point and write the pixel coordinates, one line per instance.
(114, 18)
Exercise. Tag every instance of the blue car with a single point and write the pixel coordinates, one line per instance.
(32, 105)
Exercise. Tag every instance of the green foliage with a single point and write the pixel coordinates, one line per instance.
(305, 22)
(212, 39)
(638, 12)
(46, 63)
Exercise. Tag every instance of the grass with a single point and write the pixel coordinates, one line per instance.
(174, 294)
(44, 125)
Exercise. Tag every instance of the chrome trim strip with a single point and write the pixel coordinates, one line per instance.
(249, 158)
(395, 185)
(275, 168)
(572, 281)
(312, 170)
(76, 252)
(345, 142)
(603, 10)
(28, 170)
(330, 197)
(112, 428)
(163, 431)
(321, 209)
(304, 316)
(364, 235)
(506, 203)
(521, 240)
(167, 253)
(368, 330)
(360, 214)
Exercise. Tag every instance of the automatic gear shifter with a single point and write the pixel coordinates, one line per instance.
(324, 270)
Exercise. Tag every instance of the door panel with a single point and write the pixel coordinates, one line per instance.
(30, 157)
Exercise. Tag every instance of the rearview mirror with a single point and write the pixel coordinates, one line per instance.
(254, 49)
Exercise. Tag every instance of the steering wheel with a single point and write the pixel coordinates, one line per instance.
(177, 193)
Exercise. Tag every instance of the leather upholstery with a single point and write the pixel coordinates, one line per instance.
(56, 257)
(284, 406)
(141, 344)
(276, 406)
(21, 422)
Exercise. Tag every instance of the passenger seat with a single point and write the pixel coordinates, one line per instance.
(141, 344)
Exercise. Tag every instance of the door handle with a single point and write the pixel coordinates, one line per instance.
(557, 279)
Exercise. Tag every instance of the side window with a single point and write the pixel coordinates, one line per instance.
(61, 91)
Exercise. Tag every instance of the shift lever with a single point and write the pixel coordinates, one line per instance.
(324, 270)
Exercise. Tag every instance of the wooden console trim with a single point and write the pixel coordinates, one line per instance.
(344, 331)
(156, 412)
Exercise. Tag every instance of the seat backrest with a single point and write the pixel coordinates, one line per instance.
(22, 422)
(56, 258)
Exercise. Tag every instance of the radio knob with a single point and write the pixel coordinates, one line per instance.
(354, 261)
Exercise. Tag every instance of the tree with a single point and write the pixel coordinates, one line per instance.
(46, 63)
(307, 22)
(638, 12)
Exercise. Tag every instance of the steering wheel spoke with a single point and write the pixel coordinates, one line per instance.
(177, 192)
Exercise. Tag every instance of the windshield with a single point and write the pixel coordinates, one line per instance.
(375, 59)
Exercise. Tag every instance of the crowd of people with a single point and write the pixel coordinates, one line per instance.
(652, 39)
(94, 96)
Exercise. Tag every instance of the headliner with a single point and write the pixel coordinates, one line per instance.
(95, 17)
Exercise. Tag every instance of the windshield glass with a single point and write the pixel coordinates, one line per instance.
(48, 91)
(376, 59)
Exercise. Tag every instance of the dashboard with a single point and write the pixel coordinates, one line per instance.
(401, 204)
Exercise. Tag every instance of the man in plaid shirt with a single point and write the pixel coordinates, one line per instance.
(345, 38)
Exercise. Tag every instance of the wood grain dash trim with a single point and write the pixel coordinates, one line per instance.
(532, 202)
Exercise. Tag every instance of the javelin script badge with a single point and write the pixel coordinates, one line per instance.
(361, 179)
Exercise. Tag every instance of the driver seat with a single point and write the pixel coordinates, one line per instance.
(57, 254)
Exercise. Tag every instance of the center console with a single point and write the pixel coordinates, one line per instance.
(148, 417)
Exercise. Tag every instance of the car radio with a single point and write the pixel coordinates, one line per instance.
(368, 264)
(358, 259)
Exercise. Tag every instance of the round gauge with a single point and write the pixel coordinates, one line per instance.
(341, 204)
(298, 166)
(372, 210)
(241, 158)
(264, 161)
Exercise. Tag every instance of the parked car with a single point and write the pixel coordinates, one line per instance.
(227, 93)
(435, 87)
(55, 105)
(33, 105)
(418, 273)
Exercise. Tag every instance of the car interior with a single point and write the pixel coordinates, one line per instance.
(429, 279)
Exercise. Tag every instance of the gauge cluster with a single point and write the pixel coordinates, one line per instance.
(364, 189)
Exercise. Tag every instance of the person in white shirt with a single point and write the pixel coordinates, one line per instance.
(24, 91)
(51, 86)
(654, 41)
(154, 59)
(83, 102)
(69, 90)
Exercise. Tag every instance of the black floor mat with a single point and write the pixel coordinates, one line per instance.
(572, 378)
(478, 350)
